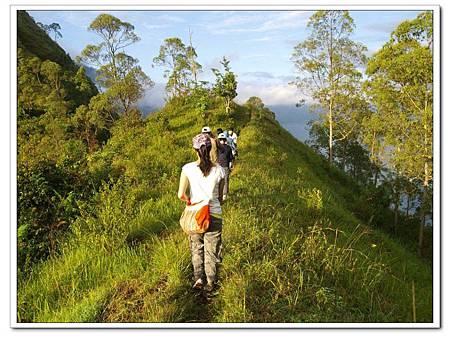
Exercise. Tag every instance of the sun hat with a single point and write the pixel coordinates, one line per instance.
(222, 135)
(200, 140)
(206, 129)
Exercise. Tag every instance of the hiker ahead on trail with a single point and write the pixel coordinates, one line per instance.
(232, 140)
(233, 136)
(207, 131)
(205, 180)
(225, 158)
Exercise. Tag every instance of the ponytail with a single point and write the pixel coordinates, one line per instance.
(205, 159)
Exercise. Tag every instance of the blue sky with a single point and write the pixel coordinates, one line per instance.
(258, 43)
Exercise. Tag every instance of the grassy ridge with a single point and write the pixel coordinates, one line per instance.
(293, 252)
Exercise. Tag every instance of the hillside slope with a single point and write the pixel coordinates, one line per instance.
(293, 252)
(33, 39)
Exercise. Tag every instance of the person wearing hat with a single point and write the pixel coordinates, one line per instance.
(233, 136)
(230, 141)
(207, 131)
(225, 160)
(204, 179)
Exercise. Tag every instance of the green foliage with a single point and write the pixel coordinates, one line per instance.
(51, 159)
(349, 154)
(327, 66)
(35, 41)
(258, 110)
(45, 210)
(400, 87)
(226, 84)
(47, 86)
(118, 72)
(182, 67)
(54, 27)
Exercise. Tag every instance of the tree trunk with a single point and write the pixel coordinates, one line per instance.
(422, 211)
(330, 134)
(394, 228)
(330, 108)
(227, 106)
(192, 60)
(376, 176)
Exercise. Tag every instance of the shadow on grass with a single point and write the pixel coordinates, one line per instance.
(196, 305)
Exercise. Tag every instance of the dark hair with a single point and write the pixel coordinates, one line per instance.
(205, 160)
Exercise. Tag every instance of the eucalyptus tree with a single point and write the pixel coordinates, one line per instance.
(182, 68)
(400, 87)
(53, 27)
(118, 72)
(195, 67)
(327, 63)
(226, 84)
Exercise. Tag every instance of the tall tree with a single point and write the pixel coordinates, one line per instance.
(44, 27)
(118, 72)
(181, 66)
(90, 120)
(53, 27)
(327, 64)
(400, 87)
(194, 66)
(372, 136)
(226, 84)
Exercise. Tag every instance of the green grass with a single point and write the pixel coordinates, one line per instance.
(293, 252)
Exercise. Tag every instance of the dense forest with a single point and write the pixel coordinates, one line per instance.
(313, 232)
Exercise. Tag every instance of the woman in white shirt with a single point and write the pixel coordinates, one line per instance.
(204, 178)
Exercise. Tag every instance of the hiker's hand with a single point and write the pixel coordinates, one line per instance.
(186, 199)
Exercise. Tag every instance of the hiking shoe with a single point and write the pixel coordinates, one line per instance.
(209, 287)
(198, 285)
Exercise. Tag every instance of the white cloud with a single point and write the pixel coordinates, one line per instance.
(260, 76)
(171, 18)
(154, 97)
(258, 22)
(79, 19)
(151, 27)
(383, 26)
(286, 20)
(270, 94)
(254, 56)
(263, 39)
